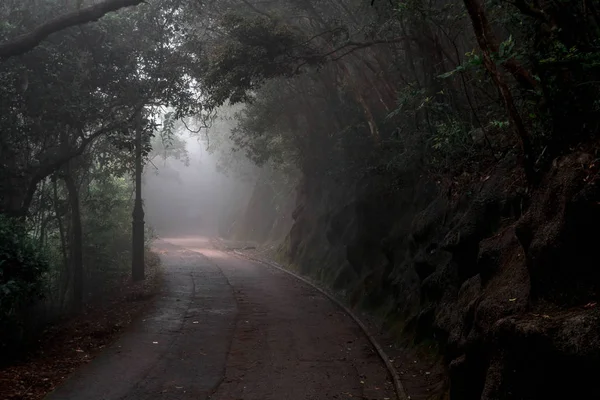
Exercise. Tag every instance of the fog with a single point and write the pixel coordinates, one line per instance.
(182, 199)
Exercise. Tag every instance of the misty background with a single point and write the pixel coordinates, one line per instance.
(201, 185)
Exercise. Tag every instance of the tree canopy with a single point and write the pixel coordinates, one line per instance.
(327, 93)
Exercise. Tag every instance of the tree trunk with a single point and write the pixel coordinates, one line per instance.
(484, 31)
(76, 240)
(486, 41)
(66, 274)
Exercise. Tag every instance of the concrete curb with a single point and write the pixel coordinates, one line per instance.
(399, 389)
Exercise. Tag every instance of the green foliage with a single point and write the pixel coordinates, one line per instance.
(167, 143)
(86, 83)
(408, 100)
(506, 50)
(106, 222)
(263, 128)
(70, 110)
(500, 124)
(331, 91)
(473, 61)
(22, 268)
(256, 49)
(450, 135)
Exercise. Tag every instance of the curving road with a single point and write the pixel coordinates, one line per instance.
(229, 329)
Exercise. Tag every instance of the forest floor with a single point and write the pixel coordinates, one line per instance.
(68, 344)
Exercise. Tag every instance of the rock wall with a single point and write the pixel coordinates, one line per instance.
(503, 278)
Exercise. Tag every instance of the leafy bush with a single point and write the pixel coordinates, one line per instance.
(22, 267)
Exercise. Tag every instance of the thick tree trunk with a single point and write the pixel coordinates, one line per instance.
(76, 241)
(486, 40)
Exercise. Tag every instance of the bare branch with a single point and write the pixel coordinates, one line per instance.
(354, 46)
(189, 129)
(255, 9)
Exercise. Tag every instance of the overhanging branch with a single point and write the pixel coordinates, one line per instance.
(38, 172)
(349, 47)
(28, 41)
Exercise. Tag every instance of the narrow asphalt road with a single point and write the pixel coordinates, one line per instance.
(226, 328)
